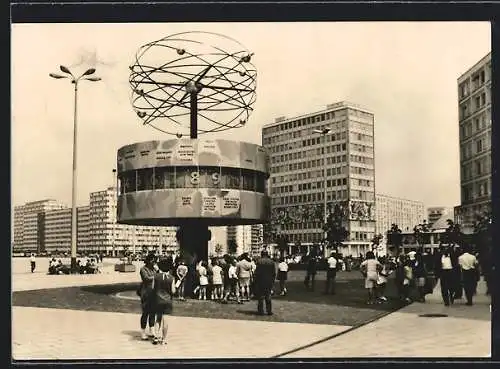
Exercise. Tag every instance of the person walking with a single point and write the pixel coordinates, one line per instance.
(33, 263)
(408, 278)
(331, 274)
(445, 272)
(146, 292)
(312, 267)
(282, 275)
(470, 276)
(419, 275)
(265, 274)
(164, 290)
(458, 289)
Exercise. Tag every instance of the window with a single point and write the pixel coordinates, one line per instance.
(145, 179)
(463, 111)
(164, 178)
(479, 145)
(478, 167)
(477, 101)
(128, 181)
(230, 178)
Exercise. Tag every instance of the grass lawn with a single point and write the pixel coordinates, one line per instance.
(346, 307)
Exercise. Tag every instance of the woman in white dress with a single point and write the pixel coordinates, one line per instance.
(370, 269)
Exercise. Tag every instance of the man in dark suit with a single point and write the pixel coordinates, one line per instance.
(265, 274)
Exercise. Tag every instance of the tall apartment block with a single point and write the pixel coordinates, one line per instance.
(45, 226)
(58, 229)
(474, 108)
(403, 212)
(298, 156)
(29, 229)
(247, 237)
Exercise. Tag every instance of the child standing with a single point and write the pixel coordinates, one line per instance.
(282, 275)
(233, 282)
(202, 271)
(382, 281)
(181, 273)
(217, 280)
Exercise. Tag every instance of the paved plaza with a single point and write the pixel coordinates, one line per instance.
(41, 333)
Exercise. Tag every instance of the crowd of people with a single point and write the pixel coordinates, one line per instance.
(415, 273)
(227, 279)
(84, 265)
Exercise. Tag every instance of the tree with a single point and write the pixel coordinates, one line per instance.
(453, 234)
(232, 247)
(218, 250)
(482, 234)
(268, 233)
(336, 233)
(395, 238)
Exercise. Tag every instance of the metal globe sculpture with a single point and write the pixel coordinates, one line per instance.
(193, 82)
(188, 84)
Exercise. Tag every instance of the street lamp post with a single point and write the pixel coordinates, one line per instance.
(324, 132)
(74, 81)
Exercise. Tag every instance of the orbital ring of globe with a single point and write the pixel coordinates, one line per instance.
(166, 72)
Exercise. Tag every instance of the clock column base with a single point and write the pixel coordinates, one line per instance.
(193, 241)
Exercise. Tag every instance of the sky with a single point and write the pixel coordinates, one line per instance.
(404, 72)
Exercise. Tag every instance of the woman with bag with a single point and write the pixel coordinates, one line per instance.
(147, 296)
(164, 288)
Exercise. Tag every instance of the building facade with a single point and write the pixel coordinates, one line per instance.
(474, 105)
(403, 212)
(299, 155)
(437, 212)
(29, 225)
(58, 229)
(248, 238)
(45, 226)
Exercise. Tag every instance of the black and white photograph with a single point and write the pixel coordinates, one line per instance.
(251, 190)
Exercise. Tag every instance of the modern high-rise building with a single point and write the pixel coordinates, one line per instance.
(45, 226)
(339, 139)
(217, 245)
(394, 210)
(58, 229)
(248, 238)
(29, 229)
(474, 109)
(437, 212)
